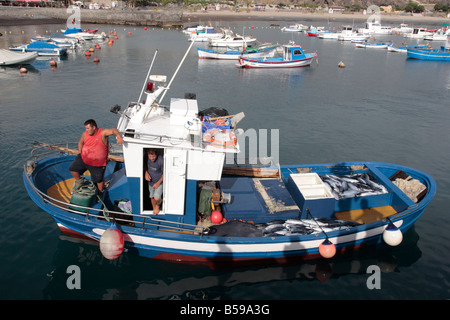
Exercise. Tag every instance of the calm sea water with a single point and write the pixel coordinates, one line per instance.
(381, 107)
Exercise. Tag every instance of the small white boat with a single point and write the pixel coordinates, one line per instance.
(404, 49)
(10, 58)
(328, 35)
(204, 34)
(231, 39)
(375, 28)
(348, 34)
(403, 28)
(78, 34)
(380, 45)
(440, 35)
(298, 27)
(418, 33)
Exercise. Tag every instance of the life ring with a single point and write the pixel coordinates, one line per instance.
(220, 138)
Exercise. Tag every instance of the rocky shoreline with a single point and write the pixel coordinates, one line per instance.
(12, 16)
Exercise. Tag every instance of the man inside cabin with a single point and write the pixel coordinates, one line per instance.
(93, 153)
(154, 168)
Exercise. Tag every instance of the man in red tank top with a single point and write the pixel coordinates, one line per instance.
(93, 152)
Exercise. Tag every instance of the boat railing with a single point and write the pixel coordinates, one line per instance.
(128, 219)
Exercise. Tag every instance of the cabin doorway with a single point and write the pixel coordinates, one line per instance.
(146, 201)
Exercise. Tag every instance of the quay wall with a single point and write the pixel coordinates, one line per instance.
(165, 18)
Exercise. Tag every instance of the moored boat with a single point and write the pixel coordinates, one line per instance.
(441, 54)
(379, 45)
(267, 50)
(298, 27)
(42, 48)
(231, 39)
(404, 49)
(10, 58)
(293, 57)
(296, 210)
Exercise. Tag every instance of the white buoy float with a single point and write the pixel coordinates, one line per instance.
(111, 243)
(392, 235)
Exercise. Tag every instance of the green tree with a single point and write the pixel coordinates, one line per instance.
(414, 7)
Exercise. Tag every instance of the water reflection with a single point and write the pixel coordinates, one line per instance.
(133, 277)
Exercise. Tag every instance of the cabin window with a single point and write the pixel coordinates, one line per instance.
(297, 52)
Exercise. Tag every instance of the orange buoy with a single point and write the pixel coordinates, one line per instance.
(96, 60)
(145, 28)
(53, 63)
(327, 249)
(87, 53)
(23, 70)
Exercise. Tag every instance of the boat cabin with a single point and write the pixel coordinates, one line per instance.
(293, 52)
(193, 151)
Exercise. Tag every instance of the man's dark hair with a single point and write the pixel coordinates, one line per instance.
(91, 122)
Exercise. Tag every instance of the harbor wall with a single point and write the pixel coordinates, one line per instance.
(165, 18)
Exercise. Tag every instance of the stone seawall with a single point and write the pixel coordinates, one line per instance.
(165, 18)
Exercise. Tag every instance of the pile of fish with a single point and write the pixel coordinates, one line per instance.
(292, 227)
(352, 185)
(275, 228)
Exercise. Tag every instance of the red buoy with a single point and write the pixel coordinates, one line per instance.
(111, 243)
(216, 217)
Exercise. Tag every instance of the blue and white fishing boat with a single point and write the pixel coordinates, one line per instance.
(441, 54)
(267, 50)
(272, 212)
(293, 57)
(42, 48)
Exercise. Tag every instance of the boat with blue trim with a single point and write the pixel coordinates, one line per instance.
(441, 54)
(264, 50)
(42, 48)
(293, 57)
(214, 207)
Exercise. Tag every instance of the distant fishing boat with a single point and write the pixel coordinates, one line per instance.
(298, 27)
(293, 57)
(379, 45)
(404, 49)
(442, 54)
(234, 54)
(231, 39)
(213, 212)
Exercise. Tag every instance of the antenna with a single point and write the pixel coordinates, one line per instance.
(178, 68)
(148, 74)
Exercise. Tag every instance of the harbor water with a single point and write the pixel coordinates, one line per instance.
(380, 107)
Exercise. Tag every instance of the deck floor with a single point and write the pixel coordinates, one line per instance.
(366, 215)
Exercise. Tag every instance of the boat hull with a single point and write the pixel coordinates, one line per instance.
(275, 63)
(192, 247)
(431, 55)
(233, 54)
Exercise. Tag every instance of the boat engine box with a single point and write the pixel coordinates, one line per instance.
(309, 192)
